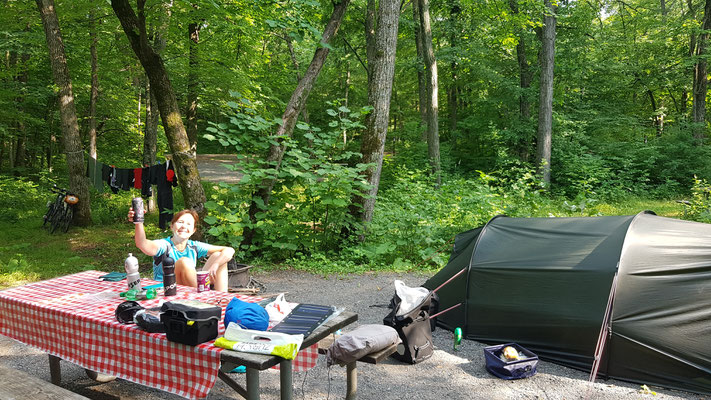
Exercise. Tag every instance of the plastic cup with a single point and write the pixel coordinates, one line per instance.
(202, 281)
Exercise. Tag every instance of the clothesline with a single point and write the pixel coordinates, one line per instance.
(161, 175)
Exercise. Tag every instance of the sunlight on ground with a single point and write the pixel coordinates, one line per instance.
(449, 357)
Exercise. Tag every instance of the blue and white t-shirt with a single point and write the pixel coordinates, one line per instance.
(193, 250)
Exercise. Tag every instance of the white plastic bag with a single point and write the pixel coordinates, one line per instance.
(409, 297)
(278, 309)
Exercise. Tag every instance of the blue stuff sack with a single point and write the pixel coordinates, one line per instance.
(522, 367)
(246, 315)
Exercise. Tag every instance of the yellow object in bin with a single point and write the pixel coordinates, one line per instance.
(510, 353)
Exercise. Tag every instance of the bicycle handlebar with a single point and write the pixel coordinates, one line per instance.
(58, 190)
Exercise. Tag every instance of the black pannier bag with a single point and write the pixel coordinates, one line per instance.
(434, 309)
(522, 367)
(414, 331)
(190, 321)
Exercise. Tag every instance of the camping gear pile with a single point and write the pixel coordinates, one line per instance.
(627, 297)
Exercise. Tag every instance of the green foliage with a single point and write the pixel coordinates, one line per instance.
(698, 208)
(413, 221)
(21, 198)
(107, 207)
(313, 187)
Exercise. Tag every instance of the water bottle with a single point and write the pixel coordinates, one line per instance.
(170, 288)
(133, 279)
(457, 338)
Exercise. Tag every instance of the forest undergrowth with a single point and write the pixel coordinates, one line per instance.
(413, 228)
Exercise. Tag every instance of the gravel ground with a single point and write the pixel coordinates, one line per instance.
(448, 374)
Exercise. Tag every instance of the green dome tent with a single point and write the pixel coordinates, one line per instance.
(550, 284)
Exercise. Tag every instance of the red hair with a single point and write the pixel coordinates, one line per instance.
(183, 212)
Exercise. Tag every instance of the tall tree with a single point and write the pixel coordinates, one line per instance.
(419, 66)
(260, 198)
(545, 104)
(382, 67)
(150, 137)
(432, 90)
(453, 90)
(701, 75)
(67, 111)
(193, 83)
(94, 96)
(184, 159)
(525, 78)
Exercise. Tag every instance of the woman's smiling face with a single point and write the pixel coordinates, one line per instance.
(184, 226)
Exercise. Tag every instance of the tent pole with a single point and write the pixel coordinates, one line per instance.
(450, 279)
(603, 331)
(442, 312)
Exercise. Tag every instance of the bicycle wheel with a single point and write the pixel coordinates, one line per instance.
(68, 216)
(48, 214)
(57, 220)
(54, 210)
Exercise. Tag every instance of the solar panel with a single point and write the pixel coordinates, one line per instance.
(303, 319)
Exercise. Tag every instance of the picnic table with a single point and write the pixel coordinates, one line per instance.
(72, 318)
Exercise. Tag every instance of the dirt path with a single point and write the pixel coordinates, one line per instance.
(212, 168)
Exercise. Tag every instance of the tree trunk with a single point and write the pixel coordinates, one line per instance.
(419, 66)
(701, 77)
(657, 116)
(20, 154)
(379, 92)
(545, 106)
(432, 91)
(453, 91)
(524, 104)
(346, 90)
(150, 137)
(370, 37)
(295, 63)
(290, 116)
(193, 85)
(183, 157)
(67, 112)
(91, 131)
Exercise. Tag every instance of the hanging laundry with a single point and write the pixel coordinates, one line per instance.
(163, 175)
(124, 178)
(113, 182)
(105, 173)
(137, 181)
(94, 172)
(146, 188)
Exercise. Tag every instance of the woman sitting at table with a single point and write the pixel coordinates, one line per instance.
(185, 252)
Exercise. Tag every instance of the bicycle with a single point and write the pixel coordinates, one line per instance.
(60, 212)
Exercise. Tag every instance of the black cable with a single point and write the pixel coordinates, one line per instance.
(303, 383)
(328, 376)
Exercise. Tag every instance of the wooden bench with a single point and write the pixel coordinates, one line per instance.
(17, 385)
(351, 369)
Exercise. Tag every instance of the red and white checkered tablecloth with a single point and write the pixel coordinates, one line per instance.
(72, 317)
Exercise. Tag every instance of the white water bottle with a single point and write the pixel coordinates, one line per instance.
(132, 276)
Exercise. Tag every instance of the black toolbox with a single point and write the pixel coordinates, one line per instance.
(499, 366)
(190, 321)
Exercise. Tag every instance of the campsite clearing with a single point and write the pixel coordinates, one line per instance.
(449, 374)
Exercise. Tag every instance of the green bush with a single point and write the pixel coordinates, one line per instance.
(413, 220)
(108, 207)
(22, 198)
(312, 190)
(699, 207)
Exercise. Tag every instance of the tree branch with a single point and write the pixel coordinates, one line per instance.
(356, 54)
